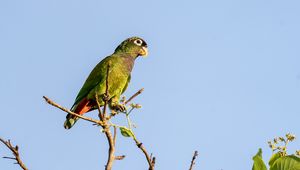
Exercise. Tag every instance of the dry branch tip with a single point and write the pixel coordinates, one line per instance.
(15, 151)
(193, 160)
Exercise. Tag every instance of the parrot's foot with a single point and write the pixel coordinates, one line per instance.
(115, 108)
(105, 97)
(120, 107)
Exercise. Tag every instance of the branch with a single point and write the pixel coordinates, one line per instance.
(133, 96)
(106, 127)
(106, 95)
(193, 160)
(112, 139)
(72, 113)
(15, 152)
(150, 160)
(102, 122)
(111, 149)
(115, 135)
(99, 107)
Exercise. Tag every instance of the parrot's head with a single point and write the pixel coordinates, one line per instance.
(134, 45)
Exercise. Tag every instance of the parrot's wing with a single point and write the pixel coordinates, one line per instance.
(126, 85)
(97, 76)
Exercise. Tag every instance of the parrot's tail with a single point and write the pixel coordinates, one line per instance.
(70, 122)
(81, 108)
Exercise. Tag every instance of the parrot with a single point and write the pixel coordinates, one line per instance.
(120, 63)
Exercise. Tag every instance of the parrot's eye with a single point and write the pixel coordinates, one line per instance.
(138, 42)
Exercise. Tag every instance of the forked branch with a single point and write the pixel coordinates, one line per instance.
(49, 101)
(150, 159)
(15, 151)
(104, 122)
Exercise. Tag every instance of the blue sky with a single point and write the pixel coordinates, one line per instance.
(222, 77)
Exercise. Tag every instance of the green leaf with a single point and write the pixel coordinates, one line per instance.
(290, 162)
(126, 132)
(273, 158)
(258, 163)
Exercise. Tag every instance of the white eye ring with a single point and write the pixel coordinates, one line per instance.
(138, 42)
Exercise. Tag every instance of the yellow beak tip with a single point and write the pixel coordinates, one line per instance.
(144, 52)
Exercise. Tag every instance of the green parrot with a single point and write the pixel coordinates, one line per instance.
(121, 63)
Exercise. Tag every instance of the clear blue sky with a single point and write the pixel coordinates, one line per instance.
(222, 77)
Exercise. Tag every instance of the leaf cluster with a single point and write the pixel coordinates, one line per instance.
(280, 160)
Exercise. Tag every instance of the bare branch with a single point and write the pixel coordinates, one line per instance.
(193, 160)
(106, 95)
(15, 152)
(99, 107)
(115, 135)
(133, 96)
(151, 161)
(111, 150)
(110, 139)
(70, 112)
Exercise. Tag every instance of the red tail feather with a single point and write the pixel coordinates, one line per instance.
(83, 106)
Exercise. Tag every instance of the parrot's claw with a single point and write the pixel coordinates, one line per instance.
(118, 108)
(121, 107)
(105, 97)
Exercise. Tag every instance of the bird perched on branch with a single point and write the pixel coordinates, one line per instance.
(120, 65)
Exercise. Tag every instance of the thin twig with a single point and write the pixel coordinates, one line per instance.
(152, 158)
(133, 96)
(106, 95)
(9, 157)
(72, 113)
(119, 157)
(193, 160)
(15, 151)
(127, 101)
(151, 161)
(115, 135)
(99, 107)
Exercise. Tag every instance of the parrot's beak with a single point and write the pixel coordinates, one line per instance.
(144, 51)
